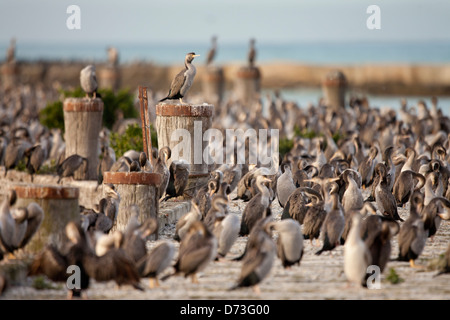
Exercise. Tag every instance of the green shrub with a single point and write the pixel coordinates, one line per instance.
(131, 140)
(52, 116)
(40, 283)
(304, 133)
(113, 103)
(285, 146)
(393, 277)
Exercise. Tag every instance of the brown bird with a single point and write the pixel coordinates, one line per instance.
(156, 261)
(385, 200)
(289, 241)
(71, 164)
(161, 168)
(258, 258)
(333, 225)
(404, 186)
(412, 236)
(114, 265)
(178, 180)
(35, 157)
(257, 208)
(197, 249)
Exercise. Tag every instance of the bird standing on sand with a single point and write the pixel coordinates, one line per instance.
(289, 242)
(197, 249)
(257, 208)
(259, 256)
(333, 225)
(226, 230)
(285, 185)
(412, 236)
(385, 200)
(88, 81)
(356, 254)
(183, 80)
(156, 261)
(184, 223)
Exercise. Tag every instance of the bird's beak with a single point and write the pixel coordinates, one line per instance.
(196, 55)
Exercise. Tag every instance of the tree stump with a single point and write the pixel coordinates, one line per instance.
(83, 122)
(109, 78)
(182, 128)
(247, 84)
(213, 85)
(60, 206)
(334, 89)
(135, 188)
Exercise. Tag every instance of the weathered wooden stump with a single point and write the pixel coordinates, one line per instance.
(10, 75)
(109, 78)
(135, 188)
(213, 85)
(334, 88)
(83, 122)
(60, 206)
(247, 84)
(182, 128)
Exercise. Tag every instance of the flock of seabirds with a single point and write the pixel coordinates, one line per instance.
(397, 159)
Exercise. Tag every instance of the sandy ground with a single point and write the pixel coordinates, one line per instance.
(317, 277)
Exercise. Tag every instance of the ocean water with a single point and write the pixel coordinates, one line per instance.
(306, 96)
(334, 53)
(315, 53)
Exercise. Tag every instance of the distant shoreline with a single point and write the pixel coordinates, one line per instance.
(375, 78)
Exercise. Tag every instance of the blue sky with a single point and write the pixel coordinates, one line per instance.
(167, 21)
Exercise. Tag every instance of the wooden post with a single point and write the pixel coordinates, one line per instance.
(60, 206)
(135, 188)
(9, 75)
(83, 122)
(109, 78)
(248, 84)
(145, 120)
(334, 88)
(213, 85)
(142, 96)
(194, 121)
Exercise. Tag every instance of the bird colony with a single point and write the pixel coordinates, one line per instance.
(378, 195)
